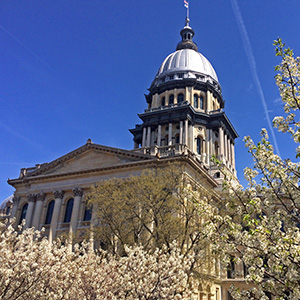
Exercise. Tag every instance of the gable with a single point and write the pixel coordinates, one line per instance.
(89, 160)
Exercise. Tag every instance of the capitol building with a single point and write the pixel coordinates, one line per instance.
(184, 122)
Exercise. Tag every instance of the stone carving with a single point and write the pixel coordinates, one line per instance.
(40, 196)
(31, 197)
(77, 192)
(16, 199)
(59, 194)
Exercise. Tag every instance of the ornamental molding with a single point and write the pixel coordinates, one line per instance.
(16, 199)
(77, 192)
(59, 194)
(40, 196)
(31, 197)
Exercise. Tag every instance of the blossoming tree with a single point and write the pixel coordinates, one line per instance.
(32, 268)
(260, 224)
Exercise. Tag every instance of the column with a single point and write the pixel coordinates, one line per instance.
(144, 137)
(30, 209)
(170, 134)
(208, 149)
(159, 136)
(186, 126)
(55, 216)
(77, 192)
(225, 147)
(16, 200)
(232, 155)
(191, 141)
(181, 133)
(148, 136)
(229, 151)
(40, 197)
(221, 143)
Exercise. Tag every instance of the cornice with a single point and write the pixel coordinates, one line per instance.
(153, 161)
(88, 146)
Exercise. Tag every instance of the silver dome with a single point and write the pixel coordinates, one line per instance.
(185, 61)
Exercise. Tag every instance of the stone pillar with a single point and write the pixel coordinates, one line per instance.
(55, 216)
(225, 147)
(221, 143)
(159, 136)
(38, 210)
(170, 134)
(232, 155)
(186, 126)
(191, 141)
(77, 192)
(229, 151)
(208, 144)
(148, 136)
(30, 209)
(144, 137)
(180, 132)
(16, 201)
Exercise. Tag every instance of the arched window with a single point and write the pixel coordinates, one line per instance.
(68, 212)
(87, 213)
(199, 145)
(177, 139)
(201, 102)
(196, 103)
(163, 101)
(23, 213)
(171, 99)
(49, 212)
(180, 98)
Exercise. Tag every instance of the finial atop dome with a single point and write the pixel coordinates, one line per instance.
(187, 33)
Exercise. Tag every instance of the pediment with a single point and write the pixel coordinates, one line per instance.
(89, 158)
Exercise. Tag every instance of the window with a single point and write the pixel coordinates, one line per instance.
(163, 101)
(231, 268)
(180, 98)
(23, 213)
(196, 101)
(201, 103)
(8, 210)
(199, 145)
(87, 213)
(171, 99)
(68, 212)
(49, 212)
(177, 139)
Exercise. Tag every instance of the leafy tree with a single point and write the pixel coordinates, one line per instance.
(260, 224)
(154, 209)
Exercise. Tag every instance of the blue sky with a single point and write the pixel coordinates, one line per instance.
(78, 69)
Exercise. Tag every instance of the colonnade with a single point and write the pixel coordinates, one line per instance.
(37, 209)
(149, 136)
(226, 148)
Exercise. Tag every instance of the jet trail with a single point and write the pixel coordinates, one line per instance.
(252, 63)
(24, 46)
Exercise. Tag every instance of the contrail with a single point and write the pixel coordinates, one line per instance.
(18, 135)
(24, 46)
(252, 63)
